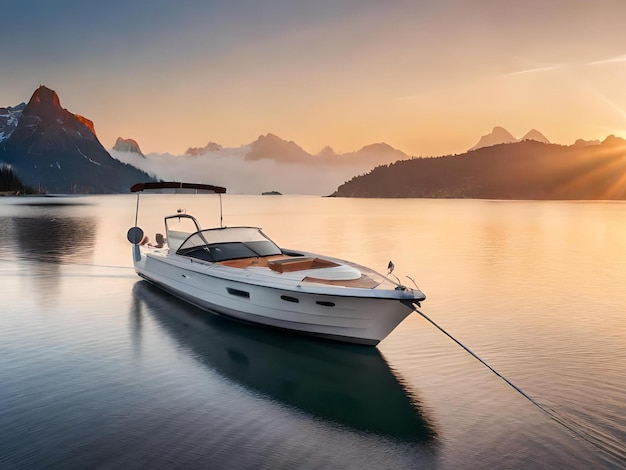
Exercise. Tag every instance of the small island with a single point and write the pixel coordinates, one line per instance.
(271, 193)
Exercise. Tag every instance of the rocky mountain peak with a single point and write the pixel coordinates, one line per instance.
(499, 135)
(43, 100)
(127, 145)
(88, 123)
(535, 135)
(51, 148)
(273, 147)
(379, 146)
(210, 147)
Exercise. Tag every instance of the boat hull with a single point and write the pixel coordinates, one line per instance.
(361, 317)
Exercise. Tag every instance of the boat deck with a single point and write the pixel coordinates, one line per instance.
(285, 263)
(256, 262)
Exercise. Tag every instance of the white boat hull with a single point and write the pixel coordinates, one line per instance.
(362, 316)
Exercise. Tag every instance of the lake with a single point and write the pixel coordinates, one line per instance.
(100, 369)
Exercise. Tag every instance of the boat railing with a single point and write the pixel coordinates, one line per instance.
(189, 225)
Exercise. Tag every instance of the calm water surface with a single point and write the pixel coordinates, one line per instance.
(99, 369)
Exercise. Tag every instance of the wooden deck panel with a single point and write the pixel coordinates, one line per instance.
(257, 262)
(291, 264)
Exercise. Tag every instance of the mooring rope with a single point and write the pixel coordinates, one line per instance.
(614, 451)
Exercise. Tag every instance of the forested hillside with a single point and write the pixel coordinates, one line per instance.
(523, 170)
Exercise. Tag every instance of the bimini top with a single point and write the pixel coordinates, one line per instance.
(174, 187)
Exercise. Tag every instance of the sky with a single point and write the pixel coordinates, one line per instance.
(428, 77)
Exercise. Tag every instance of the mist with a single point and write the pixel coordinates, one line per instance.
(228, 167)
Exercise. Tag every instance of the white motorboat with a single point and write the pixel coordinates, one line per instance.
(240, 273)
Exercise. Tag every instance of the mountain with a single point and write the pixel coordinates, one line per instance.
(127, 145)
(268, 163)
(521, 170)
(327, 152)
(499, 135)
(585, 143)
(375, 154)
(272, 147)
(210, 147)
(8, 120)
(535, 135)
(51, 148)
(612, 141)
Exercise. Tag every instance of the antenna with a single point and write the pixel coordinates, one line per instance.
(137, 210)
(221, 217)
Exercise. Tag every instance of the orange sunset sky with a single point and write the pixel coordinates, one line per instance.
(427, 77)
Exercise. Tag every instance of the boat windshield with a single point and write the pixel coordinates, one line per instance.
(221, 244)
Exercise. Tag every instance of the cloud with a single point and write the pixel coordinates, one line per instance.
(612, 60)
(546, 68)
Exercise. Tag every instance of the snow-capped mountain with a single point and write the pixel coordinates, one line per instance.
(8, 120)
(58, 151)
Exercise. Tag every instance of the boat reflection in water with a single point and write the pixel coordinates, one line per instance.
(345, 384)
(56, 238)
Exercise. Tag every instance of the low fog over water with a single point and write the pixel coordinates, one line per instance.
(230, 168)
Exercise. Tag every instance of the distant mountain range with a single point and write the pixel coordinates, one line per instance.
(50, 148)
(520, 170)
(272, 147)
(56, 151)
(499, 135)
(267, 164)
